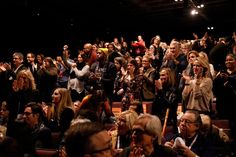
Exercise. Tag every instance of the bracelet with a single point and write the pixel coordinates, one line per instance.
(186, 84)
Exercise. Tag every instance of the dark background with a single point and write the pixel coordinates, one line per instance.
(45, 25)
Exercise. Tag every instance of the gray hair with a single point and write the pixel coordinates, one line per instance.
(153, 126)
(130, 117)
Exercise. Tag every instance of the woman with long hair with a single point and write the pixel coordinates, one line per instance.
(61, 111)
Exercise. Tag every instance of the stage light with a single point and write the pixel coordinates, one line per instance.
(200, 6)
(210, 28)
(194, 12)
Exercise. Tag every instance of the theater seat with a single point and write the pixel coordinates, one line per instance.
(56, 138)
(47, 152)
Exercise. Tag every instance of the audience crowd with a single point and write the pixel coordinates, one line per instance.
(42, 95)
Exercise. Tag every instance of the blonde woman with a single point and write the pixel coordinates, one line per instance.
(61, 112)
(121, 136)
(212, 70)
(197, 92)
(188, 72)
(23, 91)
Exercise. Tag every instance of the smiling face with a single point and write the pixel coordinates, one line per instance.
(197, 68)
(30, 58)
(191, 58)
(17, 60)
(80, 58)
(40, 59)
(188, 125)
(230, 63)
(164, 76)
(146, 62)
(29, 117)
(174, 48)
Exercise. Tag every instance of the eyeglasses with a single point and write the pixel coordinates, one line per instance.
(186, 121)
(103, 150)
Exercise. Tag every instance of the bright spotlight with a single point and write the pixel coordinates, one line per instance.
(194, 12)
(210, 28)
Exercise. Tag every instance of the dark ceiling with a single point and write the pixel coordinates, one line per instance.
(46, 22)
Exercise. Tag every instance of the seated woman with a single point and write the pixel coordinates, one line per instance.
(122, 134)
(61, 112)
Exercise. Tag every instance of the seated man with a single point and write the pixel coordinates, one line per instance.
(146, 139)
(88, 139)
(33, 117)
(190, 142)
(30, 131)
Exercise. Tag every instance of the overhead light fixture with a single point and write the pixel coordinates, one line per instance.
(200, 6)
(196, 5)
(178, 0)
(194, 12)
(210, 28)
